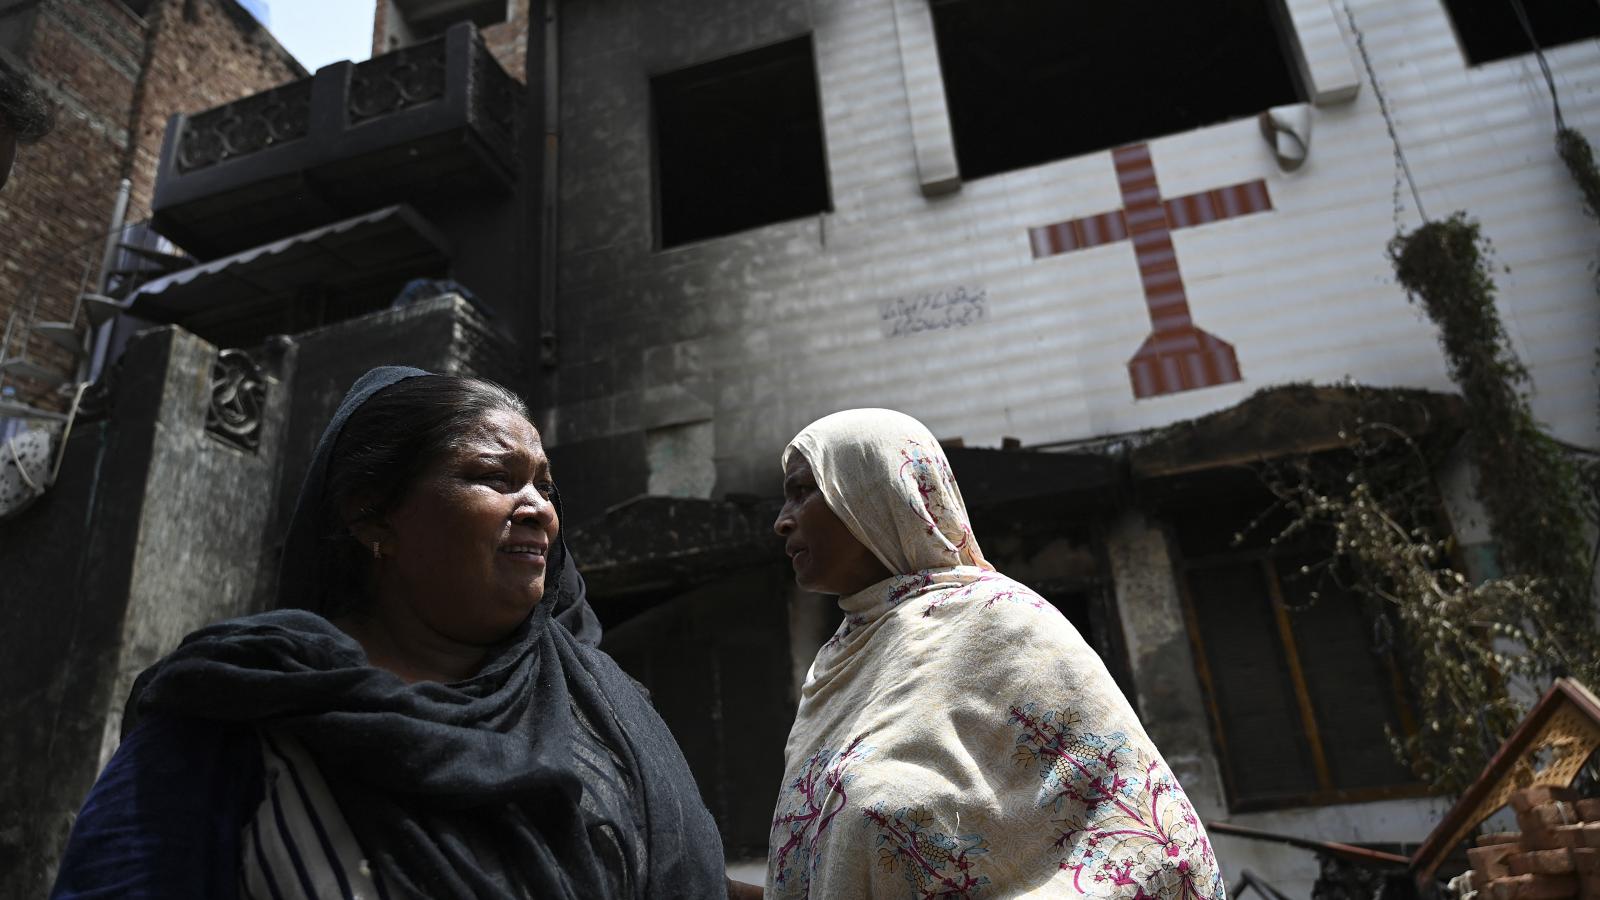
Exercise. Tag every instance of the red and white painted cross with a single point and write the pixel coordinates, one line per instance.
(1178, 355)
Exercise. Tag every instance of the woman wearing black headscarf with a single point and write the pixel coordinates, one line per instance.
(425, 715)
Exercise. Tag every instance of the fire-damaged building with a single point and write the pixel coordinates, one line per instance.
(1115, 258)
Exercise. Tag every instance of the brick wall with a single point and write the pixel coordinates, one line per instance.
(87, 54)
(380, 27)
(115, 79)
(508, 40)
(204, 53)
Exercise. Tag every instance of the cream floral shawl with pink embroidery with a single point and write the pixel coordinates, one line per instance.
(957, 737)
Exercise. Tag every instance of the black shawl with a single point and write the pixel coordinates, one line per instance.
(547, 772)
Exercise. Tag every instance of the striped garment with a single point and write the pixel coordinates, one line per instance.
(298, 845)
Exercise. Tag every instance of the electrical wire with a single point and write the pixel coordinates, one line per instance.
(1388, 118)
(1544, 65)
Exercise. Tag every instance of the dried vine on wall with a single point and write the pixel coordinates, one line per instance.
(1579, 158)
(1463, 638)
(1458, 638)
(1528, 483)
(1530, 488)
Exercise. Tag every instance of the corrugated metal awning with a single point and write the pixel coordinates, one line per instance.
(391, 245)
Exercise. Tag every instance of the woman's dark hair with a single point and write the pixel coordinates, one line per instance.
(383, 448)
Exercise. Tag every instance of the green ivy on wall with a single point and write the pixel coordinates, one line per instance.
(1528, 483)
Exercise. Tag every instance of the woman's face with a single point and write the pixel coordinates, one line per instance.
(465, 552)
(826, 557)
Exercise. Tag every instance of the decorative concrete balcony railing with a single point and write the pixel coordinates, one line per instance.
(436, 119)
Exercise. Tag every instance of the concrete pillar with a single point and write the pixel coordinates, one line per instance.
(207, 507)
(1168, 691)
(931, 136)
(1326, 67)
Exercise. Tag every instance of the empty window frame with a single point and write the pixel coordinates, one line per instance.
(738, 143)
(1030, 81)
(1491, 29)
(1302, 692)
(424, 20)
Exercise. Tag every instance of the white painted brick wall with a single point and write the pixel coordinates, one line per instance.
(1304, 292)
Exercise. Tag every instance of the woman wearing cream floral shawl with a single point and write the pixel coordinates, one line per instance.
(956, 737)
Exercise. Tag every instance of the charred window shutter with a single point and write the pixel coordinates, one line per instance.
(1349, 676)
(1264, 746)
(1299, 672)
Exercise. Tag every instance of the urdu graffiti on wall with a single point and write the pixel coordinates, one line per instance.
(934, 311)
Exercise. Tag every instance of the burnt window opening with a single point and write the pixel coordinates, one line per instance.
(1488, 30)
(481, 13)
(1303, 678)
(738, 144)
(1030, 81)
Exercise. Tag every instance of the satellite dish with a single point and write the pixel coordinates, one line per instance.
(26, 469)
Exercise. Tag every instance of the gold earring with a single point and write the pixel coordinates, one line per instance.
(377, 550)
